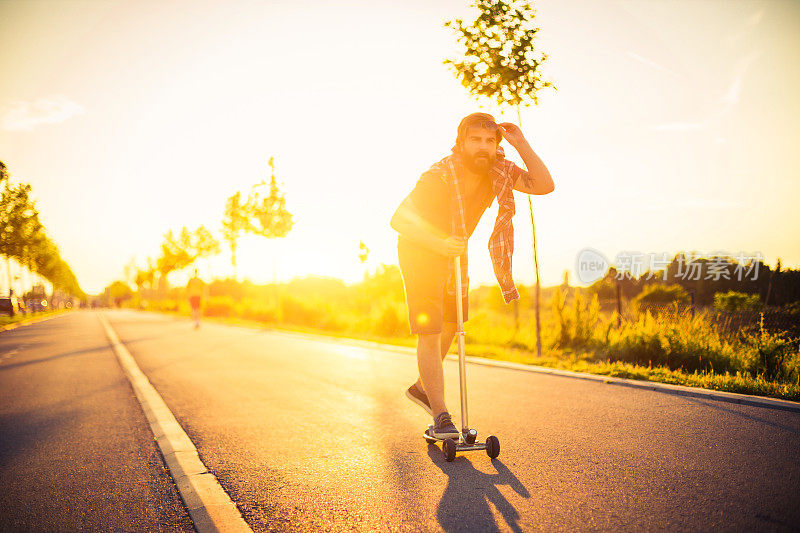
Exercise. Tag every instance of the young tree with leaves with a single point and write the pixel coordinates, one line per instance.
(267, 215)
(178, 252)
(500, 62)
(234, 224)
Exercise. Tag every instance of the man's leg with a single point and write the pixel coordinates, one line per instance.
(429, 363)
(445, 340)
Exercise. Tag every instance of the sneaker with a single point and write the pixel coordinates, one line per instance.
(419, 397)
(443, 427)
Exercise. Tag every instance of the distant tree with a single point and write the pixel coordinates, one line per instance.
(660, 294)
(19, 222)
(145, 277)
(363, 252)
(117, 292)
(267, 213)
(736, 301)
(201, 243)
(180, 251)
(173, 255)
(22, 237)
(19, 219)
(499, 62)
(234, 224)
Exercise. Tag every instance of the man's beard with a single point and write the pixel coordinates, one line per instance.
(477, 164)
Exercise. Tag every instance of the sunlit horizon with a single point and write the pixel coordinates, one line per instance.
(673, 129)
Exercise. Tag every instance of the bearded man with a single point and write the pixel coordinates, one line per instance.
(435, 222)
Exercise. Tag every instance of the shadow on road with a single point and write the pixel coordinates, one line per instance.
(465, 503)
(717, 405)
(45, 359)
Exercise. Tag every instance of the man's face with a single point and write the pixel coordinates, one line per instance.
(479, 148)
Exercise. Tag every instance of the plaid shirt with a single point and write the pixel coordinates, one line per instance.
(501, 242)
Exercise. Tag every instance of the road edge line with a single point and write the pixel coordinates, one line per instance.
(209, 506)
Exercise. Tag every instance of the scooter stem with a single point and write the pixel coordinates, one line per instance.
(462, 370)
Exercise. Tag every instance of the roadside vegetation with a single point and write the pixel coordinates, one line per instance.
(25, 244)
(6, 320)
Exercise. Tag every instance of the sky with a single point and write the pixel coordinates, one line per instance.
(674, 126)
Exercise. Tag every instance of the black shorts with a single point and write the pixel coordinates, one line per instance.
(425, 276)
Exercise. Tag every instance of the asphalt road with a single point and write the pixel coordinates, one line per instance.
(76, 453)
(306, 434)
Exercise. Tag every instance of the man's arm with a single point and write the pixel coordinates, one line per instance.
(408, 223)
(537, 179)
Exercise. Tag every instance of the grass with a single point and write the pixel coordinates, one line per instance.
(6, 320)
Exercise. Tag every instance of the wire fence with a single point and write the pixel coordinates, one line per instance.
(731, 322)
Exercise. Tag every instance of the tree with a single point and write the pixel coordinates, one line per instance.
(266, 212)
(19, 222)
(116, 293)
(146, 276)
(173, 255)
(268, 215)
(234, 224)
(500, 62)
(181, 251)
(363, 252)
(22, 237)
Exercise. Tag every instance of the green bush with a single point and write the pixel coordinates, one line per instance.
(736, 301)
(773, 356)
(577, 324)
(391, 322)
(298, 312)
(657, 293)
(222, 306)
(259, 312)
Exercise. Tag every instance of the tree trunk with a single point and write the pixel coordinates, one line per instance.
(535, 262)
(8, 272)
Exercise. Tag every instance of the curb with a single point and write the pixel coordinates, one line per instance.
(33, 320)
(666, 388)
(209, 506)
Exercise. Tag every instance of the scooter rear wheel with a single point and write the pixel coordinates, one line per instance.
(492, 446)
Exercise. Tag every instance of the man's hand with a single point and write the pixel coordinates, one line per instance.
(538, 179)
(512, 133)
(453, 246)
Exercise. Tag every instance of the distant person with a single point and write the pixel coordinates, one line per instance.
(435, 222)
(196, 290)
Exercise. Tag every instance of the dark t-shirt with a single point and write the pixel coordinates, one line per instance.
(431, 198)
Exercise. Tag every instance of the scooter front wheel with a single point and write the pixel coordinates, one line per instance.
(492, 446)
(449, 449)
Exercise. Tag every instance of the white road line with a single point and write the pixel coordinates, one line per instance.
(209, 505)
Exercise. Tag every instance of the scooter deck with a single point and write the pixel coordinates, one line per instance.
(461, 444)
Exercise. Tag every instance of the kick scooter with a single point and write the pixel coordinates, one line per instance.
(466, 441)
